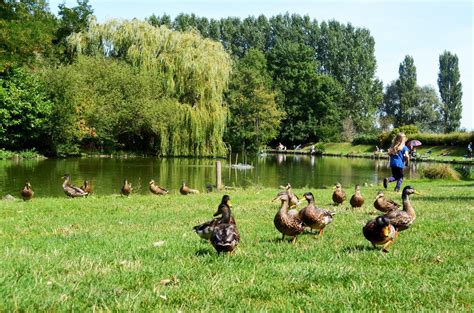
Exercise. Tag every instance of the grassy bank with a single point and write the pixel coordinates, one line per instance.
(445, 154)
(139, 253)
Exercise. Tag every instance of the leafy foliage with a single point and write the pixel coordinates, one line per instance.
(254, 117)
(450, 89)
(24, 110)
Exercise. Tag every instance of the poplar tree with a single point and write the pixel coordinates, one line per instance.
(450, 89)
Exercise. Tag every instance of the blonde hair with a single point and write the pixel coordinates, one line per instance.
(398, 143)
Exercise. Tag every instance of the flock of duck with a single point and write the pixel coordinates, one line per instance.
(223, 234)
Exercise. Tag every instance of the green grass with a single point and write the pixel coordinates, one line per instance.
(98, 253)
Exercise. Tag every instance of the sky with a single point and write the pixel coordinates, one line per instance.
(423, 29)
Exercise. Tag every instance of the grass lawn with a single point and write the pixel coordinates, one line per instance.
(140, 254)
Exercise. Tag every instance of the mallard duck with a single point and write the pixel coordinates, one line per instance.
(70, 190)
(357, 200)
(379, 231)
(285, 223)
(383, 204)
(155, 189)
(206, 229)
(184, 190)
(126, 188)
(294, 201)
(402, 219)
(313, 217)
(338, 196)
(86, 187)
(225, 236)
(27, 193)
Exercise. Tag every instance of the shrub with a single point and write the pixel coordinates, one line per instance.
(450, 139)
(440, 171)
(368, 139)
(5, 154)
(319, 148)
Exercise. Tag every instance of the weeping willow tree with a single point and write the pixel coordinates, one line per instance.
(192, 72)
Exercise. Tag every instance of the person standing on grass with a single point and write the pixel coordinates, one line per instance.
(469, 150)
(398, 154)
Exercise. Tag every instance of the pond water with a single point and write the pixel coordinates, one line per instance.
(106, 174)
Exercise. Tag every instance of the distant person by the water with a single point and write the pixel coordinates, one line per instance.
(312, 149)
(469, 150)
(281, 147)
(398, 154)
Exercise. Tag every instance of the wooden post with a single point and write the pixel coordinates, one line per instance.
(218, 176)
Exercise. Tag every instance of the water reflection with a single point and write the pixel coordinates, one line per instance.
(106, 175)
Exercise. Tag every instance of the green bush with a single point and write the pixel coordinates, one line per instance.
(368, 139)
(5, 154)
(440, 171)
(450, 139)
(319, 148)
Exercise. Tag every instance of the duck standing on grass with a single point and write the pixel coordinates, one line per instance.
(402, 219)
(379, 231)
(357, 200)
(86, 187)
(383, 204)
(294, 201)
(126, 188)
(225, 236)
(155, 189)
(27, 193)
(285, 223)
(185, 190)
(206, 229)
(313, 217)
(70, 190)
(338, 196)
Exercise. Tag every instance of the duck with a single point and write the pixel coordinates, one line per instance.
(185, 190)
(294, 201)
(126, 189)
(70, 190)
(357, 200)
(379, 231)
(286, 223)
(313, 217)
(403, 219)
(206, 229)
(86, 187)
(155, 189)
(27, 193)
(338, 195)
(225, 236)
(385, 205)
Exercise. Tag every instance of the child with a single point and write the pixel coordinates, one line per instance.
(398, 153)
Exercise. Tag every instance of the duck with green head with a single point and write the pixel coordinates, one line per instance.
(379, 231)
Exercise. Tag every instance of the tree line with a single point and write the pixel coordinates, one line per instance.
(198, 86)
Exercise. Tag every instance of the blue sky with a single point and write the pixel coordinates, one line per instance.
(422, 29)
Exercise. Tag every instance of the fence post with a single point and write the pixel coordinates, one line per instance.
(218, 175)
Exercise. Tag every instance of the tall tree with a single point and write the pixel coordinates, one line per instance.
(72, 20)
(406, 85)
(26, 32)
(450, 89)
(254, 117)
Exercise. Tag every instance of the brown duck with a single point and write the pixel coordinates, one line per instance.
(126, 189)
(357, 200)
(27, 193)
(206, 229)
(385, 205)
(338, 196)
(225, 236)
(285, 223)
(313, 217)
(402, 219)
(70, 190)
(86, 187)
(155, 189)
(185, 190)
(379, 231)
(294, 201)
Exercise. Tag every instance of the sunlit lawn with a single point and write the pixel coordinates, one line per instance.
(139, 253)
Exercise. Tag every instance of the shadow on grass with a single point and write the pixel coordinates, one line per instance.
(203, 252)
(358, 248)
(277, 240)
(458, 186)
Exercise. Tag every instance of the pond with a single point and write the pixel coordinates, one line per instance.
(107, 174)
